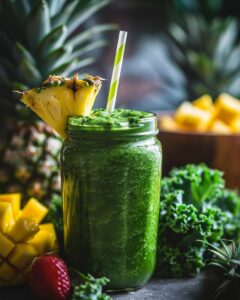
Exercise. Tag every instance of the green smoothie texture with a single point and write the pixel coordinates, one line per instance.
(119, 118)
(110, 189)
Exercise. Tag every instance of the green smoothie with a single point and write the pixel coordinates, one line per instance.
(111, 168)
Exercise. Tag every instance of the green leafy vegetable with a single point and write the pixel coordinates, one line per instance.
(194, 206)
(89, 288)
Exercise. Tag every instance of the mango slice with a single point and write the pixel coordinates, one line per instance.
(204, 102)
(220, 127)
(35, 210)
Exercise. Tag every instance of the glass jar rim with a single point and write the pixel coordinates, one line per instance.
(145, 126)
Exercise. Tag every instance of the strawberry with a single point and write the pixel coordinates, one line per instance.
(49, 278)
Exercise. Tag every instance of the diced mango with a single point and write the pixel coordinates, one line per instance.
(6, 245)
(49, 227)
(35, 210)
(204, 102)
(22, 256)
(14, 199)
(23, 230)
(227, 108)
(220, 127)
(7, 272)
(193, 117)
(42, 242)
(235, 125)
(6, 216)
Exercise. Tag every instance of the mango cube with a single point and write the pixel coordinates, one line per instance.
(14, 200)
(18, 280)
(6, 216)
(7, 272)
(227, 108)
(35, 210)
(6, 245)
(23, 230)
(42, 242)
(22, 256)
(192, 117)
(168, 123)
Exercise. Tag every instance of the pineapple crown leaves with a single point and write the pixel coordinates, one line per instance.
(207, 54)
(41, 37)
(226, 259)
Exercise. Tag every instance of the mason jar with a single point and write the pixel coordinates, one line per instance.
(110, 188)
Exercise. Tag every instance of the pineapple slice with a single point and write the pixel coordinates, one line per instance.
(58, 98)
(227, 108)
(192, 117)
(22, 239)
(14, 199)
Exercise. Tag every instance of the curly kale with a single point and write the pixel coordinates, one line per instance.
(89, 288)
(194, 206)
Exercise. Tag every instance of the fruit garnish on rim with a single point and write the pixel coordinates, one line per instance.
(58, 97)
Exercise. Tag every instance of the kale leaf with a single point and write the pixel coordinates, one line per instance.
(194, 206)
(89, 288)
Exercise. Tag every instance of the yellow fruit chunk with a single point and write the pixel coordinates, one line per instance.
(6, 245)
(6, 216)
(190, 116)
(35, 210)
(42, 242)
(22, 256)
(14, 199)
(49, 227)
(168, 123)
(23, 230)
(7, 272)
(227, 108)
(235, 125)
(204, 102)
(220, 127)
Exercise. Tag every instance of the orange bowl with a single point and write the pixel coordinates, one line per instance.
(218, 151)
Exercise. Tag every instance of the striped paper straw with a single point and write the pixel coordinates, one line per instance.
(116, 71)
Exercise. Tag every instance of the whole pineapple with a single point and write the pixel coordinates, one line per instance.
(38, 38)
(206, 55)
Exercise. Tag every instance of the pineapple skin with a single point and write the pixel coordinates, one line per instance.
(29, 161)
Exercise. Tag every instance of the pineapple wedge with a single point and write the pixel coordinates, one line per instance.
(58, 98)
